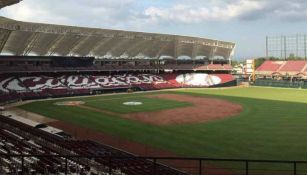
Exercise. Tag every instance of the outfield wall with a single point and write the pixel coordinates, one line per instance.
(281, 83)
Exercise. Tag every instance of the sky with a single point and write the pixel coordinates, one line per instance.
(244, 22)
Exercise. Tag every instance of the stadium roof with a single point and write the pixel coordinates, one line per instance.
(24, 38)
(4, 3)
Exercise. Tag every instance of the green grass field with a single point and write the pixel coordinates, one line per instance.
(273, 124)
(148, 104)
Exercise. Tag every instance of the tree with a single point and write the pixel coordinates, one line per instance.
(259, 61)
(291, 56)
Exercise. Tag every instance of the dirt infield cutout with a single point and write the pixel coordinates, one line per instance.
(204, 109)
(69, 103)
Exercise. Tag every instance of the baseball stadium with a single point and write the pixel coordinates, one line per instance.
(91, 101)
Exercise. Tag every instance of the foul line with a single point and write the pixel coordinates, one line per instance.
(99, 110)
(109, 99)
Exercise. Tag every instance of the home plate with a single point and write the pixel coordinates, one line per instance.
(132, 103)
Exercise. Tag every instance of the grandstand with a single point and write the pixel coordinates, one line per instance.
(4, 3)
(42, 86)
(289, 68)
(226, 131)
(46, 61)
(66, 60)
(59, 155)
(290, 74)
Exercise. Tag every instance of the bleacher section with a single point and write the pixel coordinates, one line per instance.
(269, 67)
(293, 66)
(58, 155)
(290, 68)
(39, 86)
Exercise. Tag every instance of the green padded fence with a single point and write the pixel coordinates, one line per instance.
(281, 83)
(228, 84)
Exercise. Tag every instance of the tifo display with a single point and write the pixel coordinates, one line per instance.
(40, 86)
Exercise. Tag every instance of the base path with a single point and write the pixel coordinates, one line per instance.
(203, 109)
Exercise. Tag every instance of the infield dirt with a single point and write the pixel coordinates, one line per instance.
(203, 109)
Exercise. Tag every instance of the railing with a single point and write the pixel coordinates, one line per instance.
(180, 165)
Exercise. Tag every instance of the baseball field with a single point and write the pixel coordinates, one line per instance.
(244, 123)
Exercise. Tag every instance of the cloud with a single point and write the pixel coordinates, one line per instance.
(196, 11)
(190, 14)
(133, 14)
(93, 13)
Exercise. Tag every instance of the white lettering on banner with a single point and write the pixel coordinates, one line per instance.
(147, 78)
(124, 80)
(102, 80)
(40, 83)
(79, 82)
(132, 80)
(54, 83)
(71, 81)
(3, 85)
(117, 81)
(15, 85)
(34, 83)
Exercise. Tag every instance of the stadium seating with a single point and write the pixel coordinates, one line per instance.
(9, 98)
(270, 66)
(18, 138)
(41, 86)
(293, 66)
(283, 67)
(224, 77)
(227, 67)
(215, 67)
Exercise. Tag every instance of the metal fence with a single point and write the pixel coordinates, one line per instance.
(183, 165)
(287, 47)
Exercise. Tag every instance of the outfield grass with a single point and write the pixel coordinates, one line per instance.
(273, 125)
(265, 93)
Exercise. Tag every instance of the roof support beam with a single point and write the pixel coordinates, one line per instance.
(195, 52)
(162, 49)
(99, 45)
(120, 47)
(55, 44)
(75, 45)
(32, 41)
(138, 47)
(152, 50)
(176, 45)
(28, 37)
(212, 52)
(23, 39)
(6, 34)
